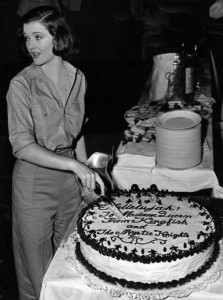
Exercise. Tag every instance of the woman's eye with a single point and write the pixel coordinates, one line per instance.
(38, 37)
(26, 39)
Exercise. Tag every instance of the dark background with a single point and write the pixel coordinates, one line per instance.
(117, 49)
(116, 57)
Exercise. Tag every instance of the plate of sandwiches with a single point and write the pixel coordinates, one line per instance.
(143, 115)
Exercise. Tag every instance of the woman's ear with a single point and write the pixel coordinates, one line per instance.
(54, 44)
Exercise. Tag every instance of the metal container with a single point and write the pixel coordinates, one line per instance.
(176, 79)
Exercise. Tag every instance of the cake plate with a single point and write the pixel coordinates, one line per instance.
(116, 291)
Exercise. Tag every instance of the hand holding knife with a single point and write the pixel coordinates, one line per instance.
(99, 162)
(108, 200)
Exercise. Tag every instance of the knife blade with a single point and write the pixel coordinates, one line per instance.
(108, 200)
(98, 162)
(112, 206)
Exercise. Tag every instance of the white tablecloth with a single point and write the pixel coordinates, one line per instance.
(62, 282)
(189, 180)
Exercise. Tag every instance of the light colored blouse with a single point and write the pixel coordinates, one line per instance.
(37, 114)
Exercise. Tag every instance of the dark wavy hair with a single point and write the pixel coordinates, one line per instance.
(65, 44)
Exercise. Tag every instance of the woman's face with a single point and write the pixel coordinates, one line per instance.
(39, 42)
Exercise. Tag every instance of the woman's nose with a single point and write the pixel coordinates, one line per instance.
(30, 44)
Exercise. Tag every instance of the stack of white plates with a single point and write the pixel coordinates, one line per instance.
(178, 139)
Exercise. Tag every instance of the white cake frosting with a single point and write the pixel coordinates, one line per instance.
(161, 239)
(145, 273)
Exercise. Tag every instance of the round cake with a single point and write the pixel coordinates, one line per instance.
(163, 239)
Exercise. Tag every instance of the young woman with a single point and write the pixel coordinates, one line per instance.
(45, 119)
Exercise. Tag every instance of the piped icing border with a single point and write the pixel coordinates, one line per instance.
(146, 286)
(214, 237)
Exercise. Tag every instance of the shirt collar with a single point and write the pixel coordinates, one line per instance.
(36, 72)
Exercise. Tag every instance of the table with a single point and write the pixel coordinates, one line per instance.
(61, 282)
(198, 178)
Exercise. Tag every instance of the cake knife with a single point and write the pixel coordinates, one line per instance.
(112, 206)
(98, 162)
(108, 200)
(105, 198)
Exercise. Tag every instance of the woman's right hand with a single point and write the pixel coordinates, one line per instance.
(89, 178)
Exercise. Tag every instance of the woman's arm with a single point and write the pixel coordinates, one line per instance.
(81, 155)
(43, 157)
(81, 152)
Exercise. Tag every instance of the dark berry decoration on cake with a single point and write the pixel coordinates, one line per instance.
(135, 188)
(153, 188)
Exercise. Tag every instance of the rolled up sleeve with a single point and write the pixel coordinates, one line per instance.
(20, 122)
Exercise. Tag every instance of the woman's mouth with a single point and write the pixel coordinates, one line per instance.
(35, 54)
